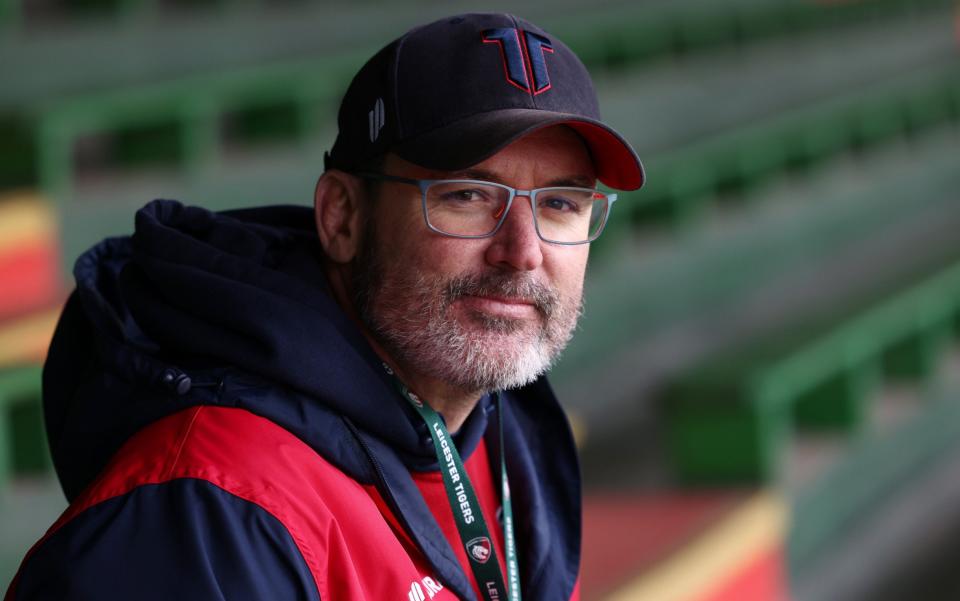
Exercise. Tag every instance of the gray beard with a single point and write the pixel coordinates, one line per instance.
(410, 316)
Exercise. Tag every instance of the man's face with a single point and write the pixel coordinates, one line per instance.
(477, 314)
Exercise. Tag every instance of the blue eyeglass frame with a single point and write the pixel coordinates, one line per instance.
(423, 184)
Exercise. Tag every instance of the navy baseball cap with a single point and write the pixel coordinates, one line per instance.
(452, 93)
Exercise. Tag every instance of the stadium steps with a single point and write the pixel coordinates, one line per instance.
(735, 160)
(215, 36)
(715, 282)
(29, 303)
(234, 35)
(30, 498)
(240, 138)
(175, 121)
(28, 506)
(881, 524)
(731, 421)
(188, 112)
(701, 95)
(911, 430)
(23, 446)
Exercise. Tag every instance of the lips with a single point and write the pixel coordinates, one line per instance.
(500, 306)
(507, 300)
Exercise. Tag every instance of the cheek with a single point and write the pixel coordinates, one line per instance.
(442, 255)
(567, 269)
(416, 251)
(400, 231)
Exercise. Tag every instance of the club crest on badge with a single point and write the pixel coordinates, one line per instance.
(479, 549)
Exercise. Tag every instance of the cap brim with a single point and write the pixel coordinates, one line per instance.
(472, 140)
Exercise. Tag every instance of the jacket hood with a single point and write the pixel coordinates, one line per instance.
(233, 309)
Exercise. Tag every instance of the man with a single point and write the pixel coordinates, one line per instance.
(348, 404)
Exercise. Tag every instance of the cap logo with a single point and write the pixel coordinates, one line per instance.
(375, 117)
(524, 57)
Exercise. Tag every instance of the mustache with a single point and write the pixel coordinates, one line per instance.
(526, 289)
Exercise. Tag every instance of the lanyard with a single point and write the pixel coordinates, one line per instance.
(466, 509)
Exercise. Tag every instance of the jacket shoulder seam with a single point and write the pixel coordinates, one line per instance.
(184, 437)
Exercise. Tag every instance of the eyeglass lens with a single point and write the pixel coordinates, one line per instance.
(474, 209)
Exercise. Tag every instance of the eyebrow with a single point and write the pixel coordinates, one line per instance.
(576, 181)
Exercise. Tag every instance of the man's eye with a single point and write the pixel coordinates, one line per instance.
(561, 204)
(464, 195)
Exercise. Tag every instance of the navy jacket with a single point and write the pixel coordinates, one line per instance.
(203, 319)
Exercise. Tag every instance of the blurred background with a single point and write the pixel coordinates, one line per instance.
(766, 384)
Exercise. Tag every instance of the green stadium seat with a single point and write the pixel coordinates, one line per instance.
(820, 140)
(22, 441)
(739, 159)
(729, 421)
(927, 109)
(672, 196)
(878, 120)
(692, 33)
(916, 356)
(180, 122)
(840, 402)
(877, 466)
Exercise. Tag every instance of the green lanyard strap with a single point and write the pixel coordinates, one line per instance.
(509, 542)
(467, 514)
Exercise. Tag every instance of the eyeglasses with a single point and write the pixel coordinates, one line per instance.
(466, 208)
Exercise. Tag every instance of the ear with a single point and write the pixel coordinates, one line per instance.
(338, 211)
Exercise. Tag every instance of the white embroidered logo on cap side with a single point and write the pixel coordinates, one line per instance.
(375, 117)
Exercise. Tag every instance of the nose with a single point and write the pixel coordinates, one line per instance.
(516, 245)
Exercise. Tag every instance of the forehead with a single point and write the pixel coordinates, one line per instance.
(542, 157)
